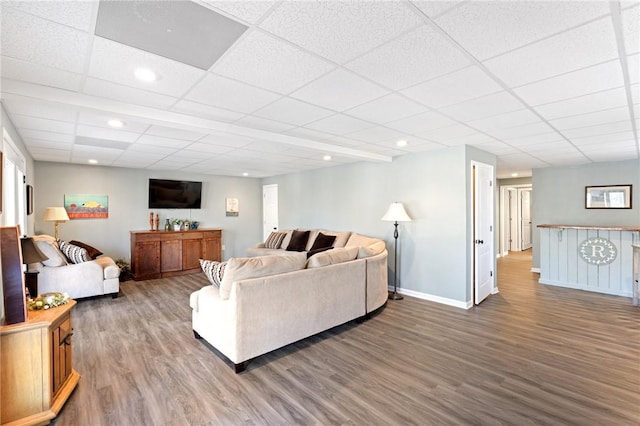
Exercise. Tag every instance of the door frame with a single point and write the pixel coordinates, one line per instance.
(503, 220)
(267, 228)
(490, 239)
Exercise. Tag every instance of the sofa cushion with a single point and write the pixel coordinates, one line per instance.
(213, 270)
(318, 250)
(368, 246)
(49, 247)
(341, 237)
(323, 241)
(287, 238)
(74, 253)
(242, 268)
(298, 241)
(274, 240)
(331, 257)
(91, 251)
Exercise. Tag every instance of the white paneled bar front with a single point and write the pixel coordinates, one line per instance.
(582, 257)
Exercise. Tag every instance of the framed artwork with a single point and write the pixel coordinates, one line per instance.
(29, 200)
(81, 206)
(608, 197)
(232, 207)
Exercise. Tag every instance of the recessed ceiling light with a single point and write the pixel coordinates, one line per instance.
(514, 175)
(401, 143)
(145, 74)
(115, 123)
(327, 158)
(92, 161)
(245, 174)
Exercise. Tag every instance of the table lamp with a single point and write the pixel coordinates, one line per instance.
(57, 215)
(31, 254)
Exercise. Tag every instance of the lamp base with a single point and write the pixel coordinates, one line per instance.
(395, 296)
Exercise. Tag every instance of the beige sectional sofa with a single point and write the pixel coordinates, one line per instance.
(280, 297)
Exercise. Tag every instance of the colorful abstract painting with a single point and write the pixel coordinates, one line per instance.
(87, 206)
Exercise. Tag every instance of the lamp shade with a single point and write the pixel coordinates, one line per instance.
(396, 213)
(55, 214)
(30, 252)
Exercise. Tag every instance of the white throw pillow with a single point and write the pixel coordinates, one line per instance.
(75, 254)
(49, 247)
(213, 270)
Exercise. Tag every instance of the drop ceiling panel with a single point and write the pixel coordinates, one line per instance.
(410, 59)
(339, 124)
(183, 31)
(526, 130)
(264, 61)
(162, 142)
(582, 47)
(459, 86)
(505, 121)
(486, 106)
(633, 64)
(224, 93)
(340, 31)
(39, 143)
(43, 42)
(47, 136)
(94, 119)
(118, 92)
(169, 132)
(600, 129)
(339, 90)
(496, 147)
(584, 104)
(102, 133)
(226, 139)
(378, 134)
(435, 8)
(445, 134)
(591, 119)
(631, 29)
(34, 108)
(209, 148)
(248, 11)
(578, 83)
(77, 14)
(387, 108)
(421, 123)
(523, 142)
(44, 154)
(487, 29)
(292, 111)
(263, 124)
(40, 74)
(603, 139)
(205, 111)
(43, 124)
(174, 78)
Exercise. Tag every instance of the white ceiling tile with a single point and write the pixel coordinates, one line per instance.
(39, 143)
(169, 164)
(248, 11)
(635, 94)
(488, 28)
(304, 133)
(222, 92)
(592, 119)
(340, 30)
(459, 86)
(156, 151)
(263, 61)
(76, 14)
(96, 119)
(631, 29)
(109, 90)
(599, 129)
(47, 154)
(184, 155)
(206, 111)
(271, 147)
(39, 74)
(81, 152)
(43, 42)
(263, 124)
(610, 147)
(496, 147)
(589, 80)
(473, 139)
(292, 111)
(339, 90)
(415, 57)
(387, 108)
(163, 142)
(486, 106)
(34, 123)
(35, 108)
(526, 130)
(584, 104)
(504, 121)
(339, 124)
(633, 64)
(549, 148)
(421, 123)
(344, 141)
(444, 134)
(378, 134)
(47, 136)
(603, 139)
(609, 156)
(570, 51)
(132, 156)
(110, 134)
(525, 141)
(226, 139)
(435, 8)
(172, 132)
(174, 78)
(209, 148)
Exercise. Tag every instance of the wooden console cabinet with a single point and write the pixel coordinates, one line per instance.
(37, 372)
(159, 254)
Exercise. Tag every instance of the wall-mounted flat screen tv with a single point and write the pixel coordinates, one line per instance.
(174, 194)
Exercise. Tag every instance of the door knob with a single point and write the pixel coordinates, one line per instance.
(479, 241)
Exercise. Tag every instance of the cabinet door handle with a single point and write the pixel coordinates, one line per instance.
(66, 340)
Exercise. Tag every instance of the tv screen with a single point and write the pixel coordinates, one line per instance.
(174, 194)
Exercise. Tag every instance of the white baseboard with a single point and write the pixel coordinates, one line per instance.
(536, 270)
(433, 298)
(622, 293)
(495, 290)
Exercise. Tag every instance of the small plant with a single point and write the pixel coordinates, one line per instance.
(176, 222)
(125, 269)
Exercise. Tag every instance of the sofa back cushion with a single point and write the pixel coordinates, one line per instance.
(367, 246)
(341, 237)
(49, 247)
(331, 257)
(242, 268)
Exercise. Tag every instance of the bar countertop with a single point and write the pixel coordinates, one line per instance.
(607, 228)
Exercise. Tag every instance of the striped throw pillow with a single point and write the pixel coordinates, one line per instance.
(213, 270)
(274, 240)
(74, 253)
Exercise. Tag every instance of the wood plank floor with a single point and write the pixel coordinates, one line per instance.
(532, 354)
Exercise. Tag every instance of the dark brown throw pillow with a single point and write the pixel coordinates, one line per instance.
(91, 251)
(298, 241)
(323, 241)
(316, 251)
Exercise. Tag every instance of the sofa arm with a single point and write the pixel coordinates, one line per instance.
(259, 245)
(109, 267)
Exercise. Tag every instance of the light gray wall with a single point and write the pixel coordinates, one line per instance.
(434, 187)
(128, 200)
(559, 197)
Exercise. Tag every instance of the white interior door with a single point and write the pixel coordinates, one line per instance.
(513, 220)
(525, 218)
(269, 209)
(483, 231)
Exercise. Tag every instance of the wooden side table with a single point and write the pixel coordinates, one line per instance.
(37, 374)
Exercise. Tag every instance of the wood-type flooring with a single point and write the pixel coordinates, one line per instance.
(529, 355)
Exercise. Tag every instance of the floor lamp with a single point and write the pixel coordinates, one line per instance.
(396, 214)
(57, 215)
